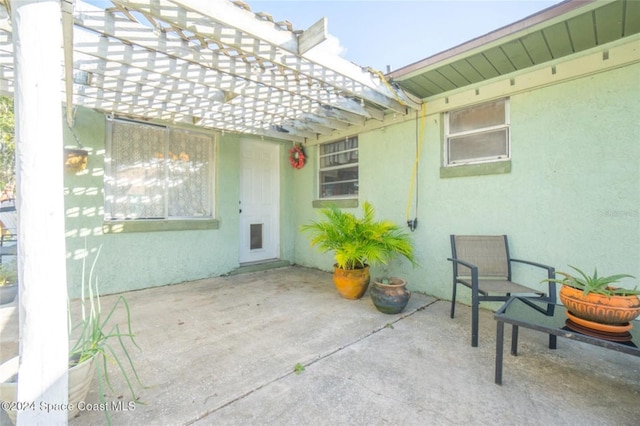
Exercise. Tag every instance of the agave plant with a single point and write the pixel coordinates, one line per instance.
(357, 242)
(595, 283)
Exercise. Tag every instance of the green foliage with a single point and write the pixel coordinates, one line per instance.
(299, 368)
(97, 335)
(8, 273)
(595, 283)
(7, 143)
(357, 242)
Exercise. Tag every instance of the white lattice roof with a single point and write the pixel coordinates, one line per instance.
(214, 64)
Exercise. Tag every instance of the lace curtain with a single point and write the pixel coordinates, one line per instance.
(156, 173)
(189, 174)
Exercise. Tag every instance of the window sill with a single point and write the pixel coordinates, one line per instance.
(497, 168)
(338, 202)
(120, 226)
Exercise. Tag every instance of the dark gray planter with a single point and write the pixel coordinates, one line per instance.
(390, 298)
(8, 293)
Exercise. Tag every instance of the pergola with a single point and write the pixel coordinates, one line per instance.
(213, 64)
(209, 64)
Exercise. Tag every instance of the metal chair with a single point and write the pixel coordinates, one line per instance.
(8, 229)
(482, 263)
(8, 246)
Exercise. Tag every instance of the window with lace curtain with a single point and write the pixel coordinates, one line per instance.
(157, 172)
(338, 169)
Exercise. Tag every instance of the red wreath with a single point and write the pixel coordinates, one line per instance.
(297, 157)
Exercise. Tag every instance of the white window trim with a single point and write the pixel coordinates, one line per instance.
(480, 160)
(344, 166)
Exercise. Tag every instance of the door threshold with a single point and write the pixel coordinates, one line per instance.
(262, 265)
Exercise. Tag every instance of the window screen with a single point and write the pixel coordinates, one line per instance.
(478, 134)
(338, 170)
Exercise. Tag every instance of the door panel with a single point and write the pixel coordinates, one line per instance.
(259, 201)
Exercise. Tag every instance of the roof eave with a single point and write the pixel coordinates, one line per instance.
(544, 17)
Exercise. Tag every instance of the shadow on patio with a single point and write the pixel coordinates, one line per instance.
(223, 351)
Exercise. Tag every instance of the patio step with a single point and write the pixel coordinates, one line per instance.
(260, 266)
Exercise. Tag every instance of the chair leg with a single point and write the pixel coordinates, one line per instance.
(453, 300)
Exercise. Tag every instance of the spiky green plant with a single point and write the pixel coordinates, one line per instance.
(357, 242)
(595, 283)
(97, 336)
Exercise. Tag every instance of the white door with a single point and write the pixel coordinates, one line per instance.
(259, 201)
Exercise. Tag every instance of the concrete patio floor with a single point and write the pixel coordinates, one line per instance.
(223, 351)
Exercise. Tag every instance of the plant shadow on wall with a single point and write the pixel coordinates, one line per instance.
(96, 341)
(357, 243)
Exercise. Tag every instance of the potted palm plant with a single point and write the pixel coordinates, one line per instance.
(593, 302)
(357, 243)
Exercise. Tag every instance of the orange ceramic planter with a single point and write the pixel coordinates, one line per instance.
(351, 283)
(600, 308)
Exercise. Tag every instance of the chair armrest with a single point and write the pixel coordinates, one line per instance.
(464, 263)
(474, 273)
(551, 274)
(550, 269)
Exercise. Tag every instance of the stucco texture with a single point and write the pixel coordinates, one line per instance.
(136, 260)
(572, 196)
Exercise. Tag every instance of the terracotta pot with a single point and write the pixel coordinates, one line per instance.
(351, 283)
(600, 308)
(392, 297)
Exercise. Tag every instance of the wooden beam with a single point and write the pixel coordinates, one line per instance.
(67, 45)
(44, 340)
(243, 31)
(313, 36)
(157, 67)
(233, 71)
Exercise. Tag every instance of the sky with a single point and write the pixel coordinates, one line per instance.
(382, 33)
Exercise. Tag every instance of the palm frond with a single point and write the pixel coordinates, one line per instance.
(357, 242)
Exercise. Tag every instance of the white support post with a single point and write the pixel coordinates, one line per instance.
(43, 371)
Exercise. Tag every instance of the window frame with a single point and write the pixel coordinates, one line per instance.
(506, 126)
(181, 222)
(345, 166)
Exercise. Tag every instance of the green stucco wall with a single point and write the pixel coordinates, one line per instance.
(136, 260)
(572, 196)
